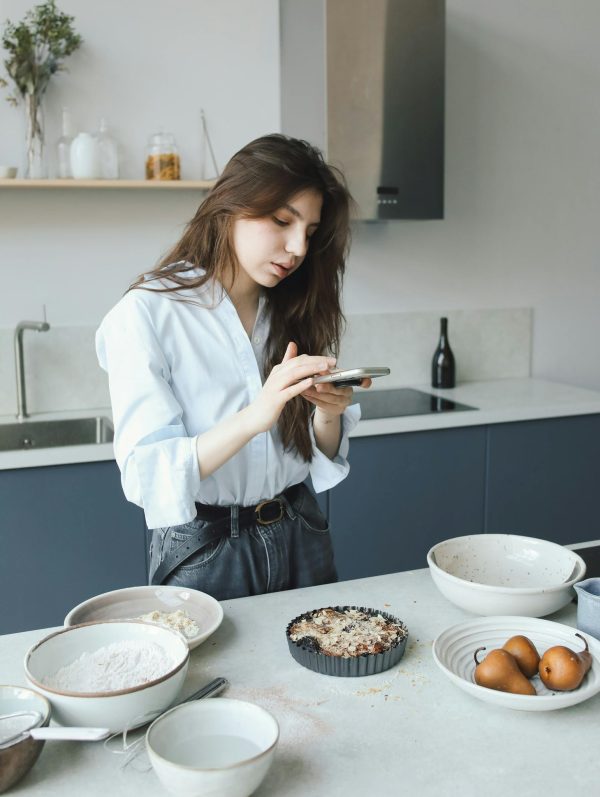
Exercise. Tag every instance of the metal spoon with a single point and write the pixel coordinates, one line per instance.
(84, 734)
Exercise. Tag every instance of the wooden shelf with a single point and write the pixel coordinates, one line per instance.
(147, 185)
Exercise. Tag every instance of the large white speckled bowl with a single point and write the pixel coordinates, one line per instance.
(505, 574)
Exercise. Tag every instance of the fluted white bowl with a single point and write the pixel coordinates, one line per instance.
(502, 574)
(453, 652)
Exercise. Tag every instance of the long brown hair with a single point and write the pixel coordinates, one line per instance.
(305, 307)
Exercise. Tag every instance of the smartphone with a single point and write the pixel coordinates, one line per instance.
(351, 377)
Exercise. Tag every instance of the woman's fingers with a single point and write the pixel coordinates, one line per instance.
(331, 390)
(328, 398)
(299, 368)
(297, 388)
(290, 352)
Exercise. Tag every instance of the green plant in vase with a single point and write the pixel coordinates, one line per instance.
(37, 47)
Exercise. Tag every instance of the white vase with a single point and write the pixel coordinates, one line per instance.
(85, 157)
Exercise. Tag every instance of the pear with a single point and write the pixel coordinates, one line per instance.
(525, 653)
(499, 670)
(563, 670)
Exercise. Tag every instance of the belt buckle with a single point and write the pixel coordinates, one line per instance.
(267, 522)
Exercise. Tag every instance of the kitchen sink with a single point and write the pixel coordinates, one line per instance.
(49, 434)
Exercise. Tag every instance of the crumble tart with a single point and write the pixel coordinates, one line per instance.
(346, 640)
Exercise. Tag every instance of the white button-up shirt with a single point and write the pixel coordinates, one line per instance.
(175, 370)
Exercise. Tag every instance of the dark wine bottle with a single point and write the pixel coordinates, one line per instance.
(442, 366)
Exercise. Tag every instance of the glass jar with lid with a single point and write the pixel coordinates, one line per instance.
(162, 158)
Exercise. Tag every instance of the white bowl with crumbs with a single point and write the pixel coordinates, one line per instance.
(505, 574)
(111, 674)
(194, 614)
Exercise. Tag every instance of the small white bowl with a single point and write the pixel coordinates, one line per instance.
(505, 574)
(116, 710)
(131, 602)
(208, 747)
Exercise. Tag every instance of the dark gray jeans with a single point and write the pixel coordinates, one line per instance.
(295, 551)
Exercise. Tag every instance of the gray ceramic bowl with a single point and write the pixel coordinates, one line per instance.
(18, 758)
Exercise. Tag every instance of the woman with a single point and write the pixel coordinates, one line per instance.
(217, 459)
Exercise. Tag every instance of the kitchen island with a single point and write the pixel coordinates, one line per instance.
(406, 731)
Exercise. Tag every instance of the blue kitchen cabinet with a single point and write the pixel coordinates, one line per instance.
(542, 479)
(404, 493)
(67, 533)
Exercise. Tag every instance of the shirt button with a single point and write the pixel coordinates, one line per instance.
(256, 339)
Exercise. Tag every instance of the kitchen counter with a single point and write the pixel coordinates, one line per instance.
(406, 731)
(497, 401)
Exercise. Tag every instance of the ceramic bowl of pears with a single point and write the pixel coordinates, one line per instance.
(501, 574)
(522, 663)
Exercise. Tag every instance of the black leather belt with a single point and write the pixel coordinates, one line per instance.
(218, 519)
(264, 513)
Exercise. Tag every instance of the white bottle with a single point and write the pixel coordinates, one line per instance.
(63, 146)
(109, 156)
(85, 157)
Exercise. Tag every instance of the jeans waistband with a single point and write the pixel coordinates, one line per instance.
(264, 513)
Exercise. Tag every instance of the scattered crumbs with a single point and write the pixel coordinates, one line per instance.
(297, 723)
(372, 690)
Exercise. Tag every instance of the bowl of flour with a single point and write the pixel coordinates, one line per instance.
(112, 674)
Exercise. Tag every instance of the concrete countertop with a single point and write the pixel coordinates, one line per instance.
(497, 401)
(406, 731)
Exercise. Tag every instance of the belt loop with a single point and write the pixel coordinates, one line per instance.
(287, 506)
(235, 526)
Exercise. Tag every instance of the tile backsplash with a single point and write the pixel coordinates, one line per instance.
(487, 344)
(62, 372)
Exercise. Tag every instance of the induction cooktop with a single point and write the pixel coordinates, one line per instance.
(403, 401)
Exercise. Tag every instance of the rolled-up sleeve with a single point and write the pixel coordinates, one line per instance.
(156, 456)
(324, 472)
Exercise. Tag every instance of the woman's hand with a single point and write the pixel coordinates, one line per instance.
(330, 400)
(293, 376)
